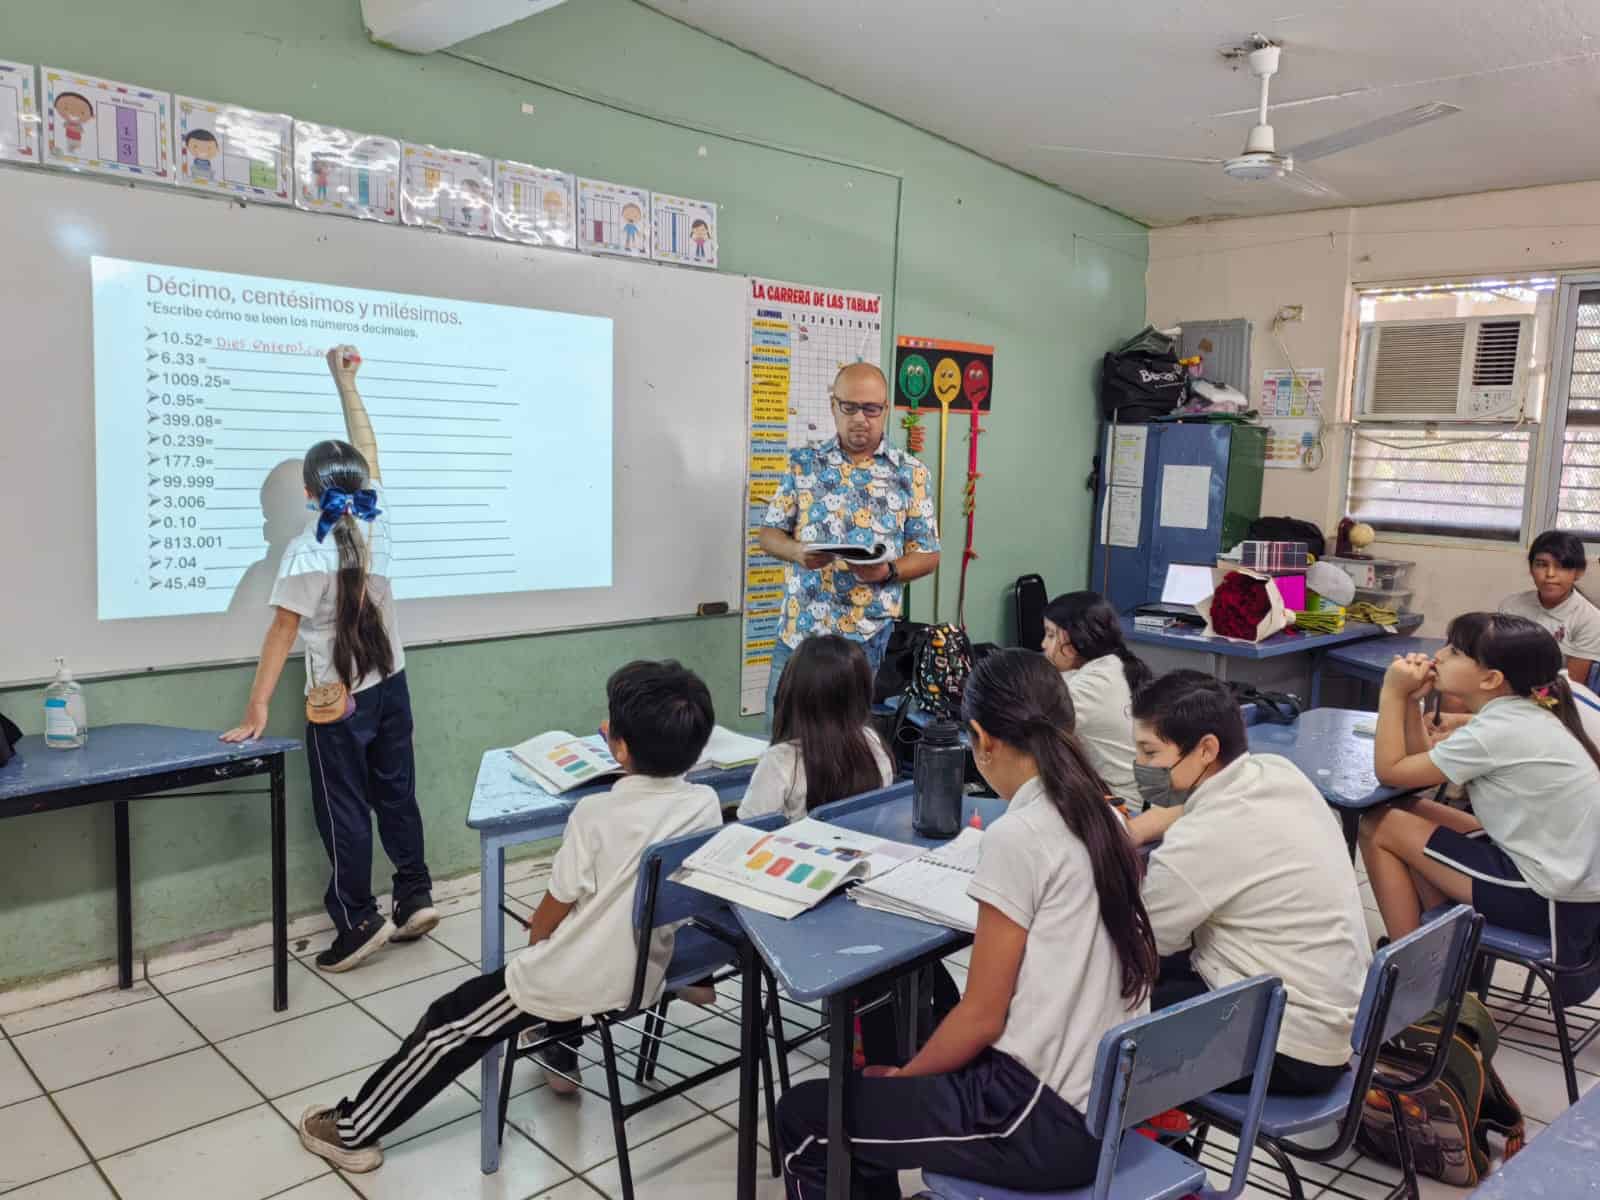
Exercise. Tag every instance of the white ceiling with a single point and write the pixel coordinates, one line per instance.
(1008, 77)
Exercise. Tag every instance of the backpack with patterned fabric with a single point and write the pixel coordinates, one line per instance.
(943, 660)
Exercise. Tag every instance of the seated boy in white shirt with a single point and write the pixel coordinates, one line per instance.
(1251, 878)
(582, 950)
(1556, 561)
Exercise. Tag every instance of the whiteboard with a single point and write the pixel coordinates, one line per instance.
(679, 424)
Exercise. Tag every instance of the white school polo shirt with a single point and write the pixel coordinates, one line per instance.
(586, 966)
(778, 784)
(1536, 792)
(1255, 875)
(308, 584)
(1069, 988)
(1104, 722)
(1575, 623)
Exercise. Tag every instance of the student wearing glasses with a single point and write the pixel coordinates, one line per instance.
(855, 488)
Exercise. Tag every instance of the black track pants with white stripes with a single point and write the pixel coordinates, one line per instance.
(992, 1121)
(458, 1029)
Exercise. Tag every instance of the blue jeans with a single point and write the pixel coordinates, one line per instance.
(781, 652)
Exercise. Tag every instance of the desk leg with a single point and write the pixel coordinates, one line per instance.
(1316, 678)
(750, 1035)
(493, 883)
(124, 896)
(280, 895)
(1350, 819)
(1219, 667)
(841, 1056)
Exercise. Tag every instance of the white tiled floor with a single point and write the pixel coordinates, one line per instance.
(190, 1086)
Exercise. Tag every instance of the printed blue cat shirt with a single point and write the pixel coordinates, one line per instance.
(823, 497)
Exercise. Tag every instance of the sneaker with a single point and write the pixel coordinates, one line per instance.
(561, 1070)
(415, 918)
(319, 1133)
(351, 949)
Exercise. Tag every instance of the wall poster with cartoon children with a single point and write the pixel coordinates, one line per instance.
(685, 231)
(347, 173)
(19, 113)
(236, 151)
(533, 205)
(102, 125)
(447, 189)
(612, 218)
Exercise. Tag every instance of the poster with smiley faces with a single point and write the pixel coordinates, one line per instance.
(930, 371)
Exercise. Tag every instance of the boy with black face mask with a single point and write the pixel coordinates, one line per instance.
(1251, 877)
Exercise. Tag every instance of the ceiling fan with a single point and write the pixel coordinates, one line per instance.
(1261, 158)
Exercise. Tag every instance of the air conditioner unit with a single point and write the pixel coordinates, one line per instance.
(1466, 369)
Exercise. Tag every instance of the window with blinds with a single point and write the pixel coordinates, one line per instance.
(1578, 491)
(1465, 481)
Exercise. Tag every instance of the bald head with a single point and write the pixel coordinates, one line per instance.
(860, 385)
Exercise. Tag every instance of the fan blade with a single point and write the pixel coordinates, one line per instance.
(1307, 185)
(1210, 162)
(1359, 135)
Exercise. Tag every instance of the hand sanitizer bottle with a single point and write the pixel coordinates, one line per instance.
(66, 717)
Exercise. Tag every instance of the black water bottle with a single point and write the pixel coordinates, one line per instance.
(937, 775)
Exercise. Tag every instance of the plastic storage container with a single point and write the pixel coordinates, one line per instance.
(1383, 574)
(937, 775)
(1399, 600)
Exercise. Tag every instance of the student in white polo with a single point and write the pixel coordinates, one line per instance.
(1063, 953)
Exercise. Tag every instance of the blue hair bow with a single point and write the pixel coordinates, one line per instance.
(336, 502)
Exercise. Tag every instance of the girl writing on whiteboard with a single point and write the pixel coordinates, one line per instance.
(333, 591)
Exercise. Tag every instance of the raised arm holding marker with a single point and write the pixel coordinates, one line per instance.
(343, 362)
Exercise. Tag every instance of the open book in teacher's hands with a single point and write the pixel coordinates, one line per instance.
(791, 870)
(853, 556)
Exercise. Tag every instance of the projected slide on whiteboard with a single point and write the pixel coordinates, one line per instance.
(493, 426)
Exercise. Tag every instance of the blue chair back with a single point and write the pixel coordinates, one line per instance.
(850, 804)
(1166, 1059)
(1423, 971)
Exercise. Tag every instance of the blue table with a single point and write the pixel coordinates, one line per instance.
(1286, 642)
(1325, 745)
(121, 763)
(1368, 660)
(1559, 1164)
(840, 950)
(510, 808)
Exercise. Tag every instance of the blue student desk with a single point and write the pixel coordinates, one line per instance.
(510, 809)
(1559, 1164)
(839, 951)
(1325, 745)
(130, 762)
(1368, 660)
(1270, 663)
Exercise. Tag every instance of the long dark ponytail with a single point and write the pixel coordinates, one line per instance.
(1092, 627)
(823, 703)
(360, 642)
(1019, 698)
(1529, 658)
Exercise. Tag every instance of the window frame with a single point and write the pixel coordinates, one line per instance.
(1564, 328)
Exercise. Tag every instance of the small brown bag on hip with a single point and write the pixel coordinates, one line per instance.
(329, 703)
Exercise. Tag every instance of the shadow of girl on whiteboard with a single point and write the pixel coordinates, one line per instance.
(283, 514)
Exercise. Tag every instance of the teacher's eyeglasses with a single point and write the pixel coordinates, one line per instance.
(850, 408)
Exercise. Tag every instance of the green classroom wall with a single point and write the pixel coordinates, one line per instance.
(814, 188)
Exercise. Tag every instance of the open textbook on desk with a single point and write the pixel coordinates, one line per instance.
(791, 870)
(932, 887)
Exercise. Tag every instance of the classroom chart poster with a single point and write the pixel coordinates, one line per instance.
(447, 189)
(799, 337)
(101, 125)
(235, 151)
(19, 113)
(613, 218)
(1291, 393)
(684, 231)
(1289, 441)
(533, 205)
(347, 173)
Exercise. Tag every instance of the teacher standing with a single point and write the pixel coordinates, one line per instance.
(854, 488)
